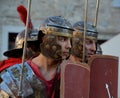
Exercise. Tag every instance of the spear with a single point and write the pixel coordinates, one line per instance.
(85, 22)
(20, 93)
(96, 16)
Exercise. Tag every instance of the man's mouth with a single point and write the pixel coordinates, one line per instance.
(90, 55)
(66, 53)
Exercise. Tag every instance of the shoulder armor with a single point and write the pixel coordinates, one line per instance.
(30, 83)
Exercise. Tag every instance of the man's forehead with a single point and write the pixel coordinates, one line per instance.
(64, 37)
(92, 40)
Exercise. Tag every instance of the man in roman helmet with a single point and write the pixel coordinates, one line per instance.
(14, 56)
(41, 75)
(77, 42)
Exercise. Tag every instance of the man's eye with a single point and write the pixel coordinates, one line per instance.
(88, 41)
(62, 38)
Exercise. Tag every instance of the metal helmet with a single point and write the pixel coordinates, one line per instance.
(18, 50)
(57, 25)
(77, 40)
(91, 31)
(53, 27)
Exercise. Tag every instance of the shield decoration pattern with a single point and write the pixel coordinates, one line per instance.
(103, 76)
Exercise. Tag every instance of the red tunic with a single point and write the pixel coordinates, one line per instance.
(49, 83)
(9, 62)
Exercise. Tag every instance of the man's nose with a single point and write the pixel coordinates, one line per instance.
(68, 44)
(93, 47)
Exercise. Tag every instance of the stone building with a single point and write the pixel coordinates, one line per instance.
(107, 24)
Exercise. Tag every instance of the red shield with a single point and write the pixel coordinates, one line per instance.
(75, 79)
(103, 76)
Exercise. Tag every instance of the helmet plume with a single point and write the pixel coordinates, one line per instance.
(23, 15)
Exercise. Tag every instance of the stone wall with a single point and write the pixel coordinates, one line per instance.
(73, 10)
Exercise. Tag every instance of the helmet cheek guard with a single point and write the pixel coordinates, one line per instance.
(50, 48)
(77, 44)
